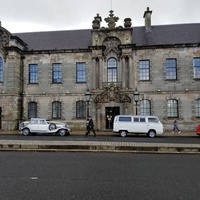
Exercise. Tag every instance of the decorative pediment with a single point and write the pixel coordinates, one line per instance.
(112, 94)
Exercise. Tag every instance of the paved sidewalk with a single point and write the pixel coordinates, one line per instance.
(97, 146)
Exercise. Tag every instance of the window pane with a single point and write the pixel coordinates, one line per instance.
(80, 72)
(172, 108)
(112, 70)
(152, 119)
(56, 110)
(144, 70)
(1, 69)
(81, 109)
(57, 73)
(196, 67)
(197, 108)
(145, 107)
(171, 69)
(33, 73)
(32, 110)
(142, 119)
(125, 119)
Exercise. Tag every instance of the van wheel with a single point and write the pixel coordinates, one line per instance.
(151, 134)
(123, 133)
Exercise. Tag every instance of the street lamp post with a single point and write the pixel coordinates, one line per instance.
(87, 98)
(136, 96)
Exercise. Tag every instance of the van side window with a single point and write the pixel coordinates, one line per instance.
(136, 119)
(142, 119)
(124, 119)
(152, 119)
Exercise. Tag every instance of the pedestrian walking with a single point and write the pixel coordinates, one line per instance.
(90, 127)
(175, 127)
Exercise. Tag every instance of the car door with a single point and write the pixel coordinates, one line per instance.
(43, 126)
(34, 125)
(140, 125)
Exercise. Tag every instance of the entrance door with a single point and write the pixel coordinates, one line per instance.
(111, 112)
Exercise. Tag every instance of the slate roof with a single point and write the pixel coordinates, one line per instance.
(81, 39)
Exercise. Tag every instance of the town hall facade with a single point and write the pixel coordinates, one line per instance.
(48, 74)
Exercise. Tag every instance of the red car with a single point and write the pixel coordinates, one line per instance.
(198, 130)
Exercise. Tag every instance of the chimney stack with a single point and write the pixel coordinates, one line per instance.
(147, 17)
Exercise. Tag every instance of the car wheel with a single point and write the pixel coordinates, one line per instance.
(52, 126)
(62, 132)
(26, 132)
(152, 134)
(123, 133)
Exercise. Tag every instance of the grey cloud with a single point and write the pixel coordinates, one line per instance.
(78, 14)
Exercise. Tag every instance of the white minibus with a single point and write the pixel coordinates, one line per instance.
(149, 125)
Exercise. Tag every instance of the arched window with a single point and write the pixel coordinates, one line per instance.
(81, 109)
(112, 70)
(172, 108)
(1, 69)
(145, 107)
(197, 107)
(56, 110)
(32, 110)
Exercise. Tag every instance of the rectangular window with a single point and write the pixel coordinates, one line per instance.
(136, 119)
(144, 66)
(33, 73)
(154, 120)
(196, 67)
(81, 109)
(32, 110)
(80, 72)
(172, 108)
(56, 110)
(56, 73)
(171, 69)
(112, 70)
(197, 108)
(142, 120)
(124, 119)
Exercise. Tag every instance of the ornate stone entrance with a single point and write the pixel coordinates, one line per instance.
(111, 102)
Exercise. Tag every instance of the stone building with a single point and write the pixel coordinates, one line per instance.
(46, 74)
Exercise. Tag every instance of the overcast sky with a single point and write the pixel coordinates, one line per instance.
(51, 15)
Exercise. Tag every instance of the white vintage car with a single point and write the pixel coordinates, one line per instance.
(38, 125)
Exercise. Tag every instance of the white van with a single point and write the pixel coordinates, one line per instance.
(149, 125)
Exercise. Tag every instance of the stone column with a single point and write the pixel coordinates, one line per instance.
(100, 78)
(98, 119)
(131, 71)
(97, 73)
(94, 85)
(123, 73)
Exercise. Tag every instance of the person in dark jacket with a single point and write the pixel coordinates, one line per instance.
(90, 127)
(175, 127)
